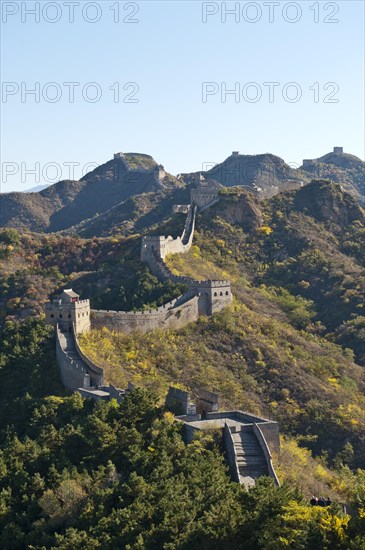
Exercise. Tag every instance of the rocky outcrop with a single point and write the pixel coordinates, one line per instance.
(340, 167)
(239, 208)
(327, 201)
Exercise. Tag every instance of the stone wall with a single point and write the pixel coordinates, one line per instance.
(162, 246)
(270, 431)
(75, 316)
(73, 373)
(175, 314)
(96, 373)
(206, 401)
(231, 456)
(264, 444)
(178, 402)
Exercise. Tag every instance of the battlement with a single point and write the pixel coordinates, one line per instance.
(144, 312)
(174, 314)
(214, 283)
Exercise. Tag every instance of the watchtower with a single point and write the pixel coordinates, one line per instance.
(338, 150)
(159, 172)
(203, 195)
(153, 246)
(67, 310)
(213, 296)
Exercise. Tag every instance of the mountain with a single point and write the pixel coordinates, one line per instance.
(340, 167)
(265, 175)
(68, 203)
(290, 347)
(130, 192)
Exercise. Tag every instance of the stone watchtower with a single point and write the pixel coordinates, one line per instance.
(204, 195)
(213, 295)
(67, 310)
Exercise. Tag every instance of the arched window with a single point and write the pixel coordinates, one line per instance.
(69, 315)
(78, 315)
(215, 294)
(60, 315)
(227, 293)
(221, 294)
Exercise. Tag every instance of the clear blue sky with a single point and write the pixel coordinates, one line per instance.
(169, 53)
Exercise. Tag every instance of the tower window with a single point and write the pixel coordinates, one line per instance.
(52, 315)
(69, 315)
(215, 294)
(60, 315)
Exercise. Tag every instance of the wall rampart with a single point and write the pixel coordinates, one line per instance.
(176, 316)
(73, 373)
(257, 429)
(96, 373)
(231, 454)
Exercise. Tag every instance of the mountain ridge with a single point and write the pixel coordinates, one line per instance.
(103, 196)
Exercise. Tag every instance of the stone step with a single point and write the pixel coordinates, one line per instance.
(250, 467)
(248, 449)
(249, 454)
(250, 458)
(255, 460)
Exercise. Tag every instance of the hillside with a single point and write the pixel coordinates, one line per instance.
(340, 167)
(135, 215)
(68, 203)
(296, 265)
(78, 474)
(311, 244)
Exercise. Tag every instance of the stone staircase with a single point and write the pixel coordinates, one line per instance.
(251, 460)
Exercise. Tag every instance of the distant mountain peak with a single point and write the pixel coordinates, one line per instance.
(343, 168)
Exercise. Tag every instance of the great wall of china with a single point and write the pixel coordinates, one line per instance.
(248, 439)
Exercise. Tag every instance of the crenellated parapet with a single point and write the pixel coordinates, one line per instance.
(175, 314)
